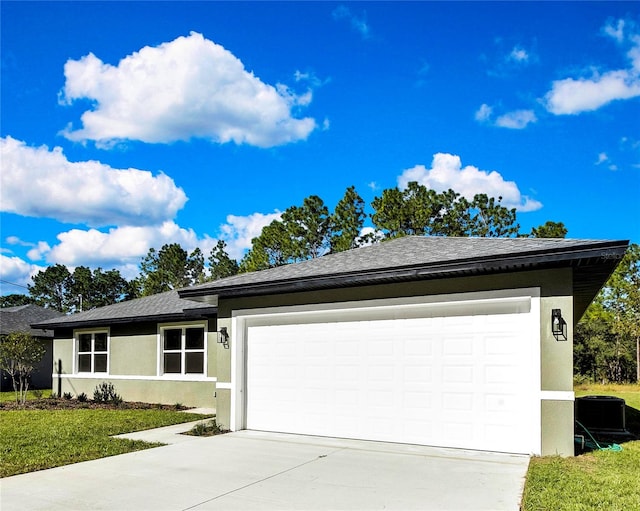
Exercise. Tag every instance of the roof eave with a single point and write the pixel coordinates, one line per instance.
(187, 314)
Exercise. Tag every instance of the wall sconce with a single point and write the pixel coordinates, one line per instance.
(223, 337)
(558, 325)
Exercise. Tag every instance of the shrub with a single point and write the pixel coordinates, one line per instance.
(82, 397)
(106, 393)
(37, 393)
(207, 429)
(68, 396)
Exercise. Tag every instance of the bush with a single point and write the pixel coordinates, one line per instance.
(207, 429)
(68, 396)
(106, 393)
(37, 393)
(82, 397)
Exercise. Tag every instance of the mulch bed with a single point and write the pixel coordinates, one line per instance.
(51, 403)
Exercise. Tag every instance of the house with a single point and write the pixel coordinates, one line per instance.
(452, 342)
(155, 349)
(19, 319)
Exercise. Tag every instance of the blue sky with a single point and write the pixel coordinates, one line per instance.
(131, 125)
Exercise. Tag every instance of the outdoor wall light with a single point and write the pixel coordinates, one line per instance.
(558, 325)
(223, 337)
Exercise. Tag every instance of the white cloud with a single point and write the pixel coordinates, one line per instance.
(446, 172)
(311, 78)
(240, 230)
(39, 182)
(634, 55)
(121, 248)
(187, 88)
(38, 251)
(16, 271)
(518, 119)
(604, 158)
(121, 245)
(483, 113)
(571, 96)
(616, 32)
(358, 23)
(519, 55)
(124, 247)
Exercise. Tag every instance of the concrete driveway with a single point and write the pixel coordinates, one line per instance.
(267, 471)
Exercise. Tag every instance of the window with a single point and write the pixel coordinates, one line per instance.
(93, 352)
(183, 350)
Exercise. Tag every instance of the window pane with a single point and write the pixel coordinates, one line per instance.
(85, 342)
(195, 339)
(84, 363)
(173, 339)
(100, 364)
(172, 362)
(100, 343)
(194, 363)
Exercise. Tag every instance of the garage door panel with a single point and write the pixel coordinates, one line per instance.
(449, 381)
(418, 372)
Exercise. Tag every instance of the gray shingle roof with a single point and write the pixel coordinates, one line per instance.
(428, 255)
(404, 259)
(20, 318)
(160, 307)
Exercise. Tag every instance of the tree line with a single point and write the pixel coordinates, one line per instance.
(607, 340)
(304, 231)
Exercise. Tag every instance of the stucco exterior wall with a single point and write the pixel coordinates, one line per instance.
(169, 392)
(556, 369)
(134, 368)
(557, 410)
(133, 355)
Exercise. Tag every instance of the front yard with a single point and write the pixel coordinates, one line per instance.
(38, 438)
(34, 439)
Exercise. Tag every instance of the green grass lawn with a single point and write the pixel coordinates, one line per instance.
(37, 439)
(7, 397)
(606, 481)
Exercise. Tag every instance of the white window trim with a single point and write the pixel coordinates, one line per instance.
(160, 360)
(132, 377)
(76, 350)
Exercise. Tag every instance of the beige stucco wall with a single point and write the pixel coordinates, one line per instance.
(133, 369)
(170, 392)
(557, 415)
(556, 357)
(133, 355)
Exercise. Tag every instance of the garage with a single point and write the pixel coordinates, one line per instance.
(437, 341)
(455, 372)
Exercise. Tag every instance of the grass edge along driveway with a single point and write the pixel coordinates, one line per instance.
(603, 481)
(33, 440)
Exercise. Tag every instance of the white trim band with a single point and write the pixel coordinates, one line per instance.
(105, 376)
(557, 395)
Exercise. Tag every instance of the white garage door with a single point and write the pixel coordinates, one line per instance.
(461, 381)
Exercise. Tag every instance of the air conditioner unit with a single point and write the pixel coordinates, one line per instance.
(601, 413)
